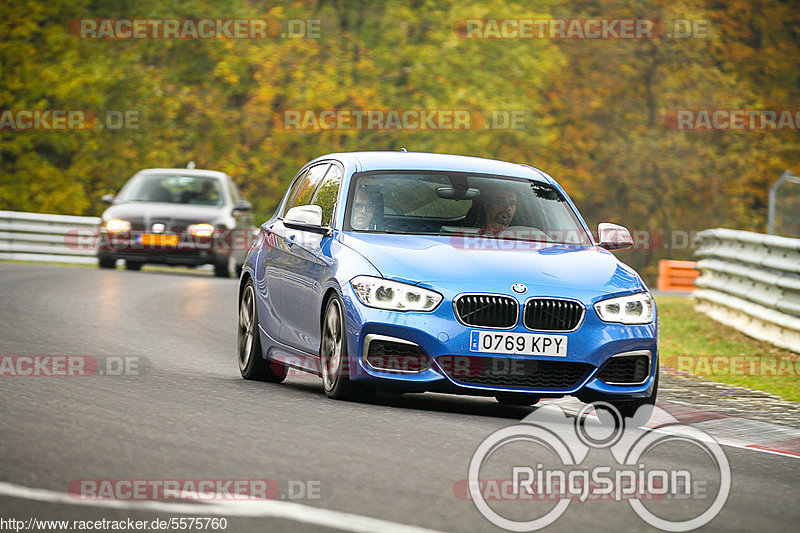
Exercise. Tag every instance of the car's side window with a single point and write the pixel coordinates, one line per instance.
(306, 190)
(293, 191)
(326, 194)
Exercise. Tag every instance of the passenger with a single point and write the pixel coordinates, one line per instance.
(362, 215)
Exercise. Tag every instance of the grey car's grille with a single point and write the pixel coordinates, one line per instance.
(515, 373)
(550, 314)
(487, 311)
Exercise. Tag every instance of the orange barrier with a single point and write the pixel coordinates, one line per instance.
(676, 275)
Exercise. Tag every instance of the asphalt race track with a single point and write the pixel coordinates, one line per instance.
(182, 412)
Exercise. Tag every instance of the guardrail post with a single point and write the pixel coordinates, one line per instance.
(773, 193)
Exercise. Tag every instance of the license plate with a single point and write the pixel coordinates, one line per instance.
(159, 239)
(518, 343)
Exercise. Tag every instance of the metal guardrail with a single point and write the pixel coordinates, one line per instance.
(50, 238)
(751, 281)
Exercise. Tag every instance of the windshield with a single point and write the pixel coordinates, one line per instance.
(439, 203)
(173, 189)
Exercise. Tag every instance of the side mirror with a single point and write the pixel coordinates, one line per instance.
(242, 206)
(107, 199)
(613, 237)
(305, 218)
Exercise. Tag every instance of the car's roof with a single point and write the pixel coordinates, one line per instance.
(368, 161)
(184, 172)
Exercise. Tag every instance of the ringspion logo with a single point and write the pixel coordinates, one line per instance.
(675, 498)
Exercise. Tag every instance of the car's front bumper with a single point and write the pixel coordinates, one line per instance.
(453, 368)
(189, 250)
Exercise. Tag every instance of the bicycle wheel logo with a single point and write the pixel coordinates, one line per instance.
(635, 472)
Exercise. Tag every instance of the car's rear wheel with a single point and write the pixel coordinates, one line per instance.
(516, 398)
(252, 364)
(334, 360)
(107, 262)
(133, 265)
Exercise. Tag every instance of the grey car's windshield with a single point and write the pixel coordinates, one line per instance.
(173, 189)
(439, 203)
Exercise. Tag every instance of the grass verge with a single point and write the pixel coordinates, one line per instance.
(692, 342)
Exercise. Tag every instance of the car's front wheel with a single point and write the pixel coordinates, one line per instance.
(334, 359)
(629, 408)
(227, 268)
(252, 364)
(107, 262)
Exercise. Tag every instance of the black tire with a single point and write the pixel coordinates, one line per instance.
(516, 398)
(133, 265)
(227, 268)
(252, 364)
(106, 262)
(333, 356)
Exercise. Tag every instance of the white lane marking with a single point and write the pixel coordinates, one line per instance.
(747, 432)
(238, 509)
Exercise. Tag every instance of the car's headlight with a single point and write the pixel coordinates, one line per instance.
(634, 309)
(201, 230)
(393, 295)
(116, 225)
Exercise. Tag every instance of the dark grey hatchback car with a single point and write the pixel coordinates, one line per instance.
(177, 217)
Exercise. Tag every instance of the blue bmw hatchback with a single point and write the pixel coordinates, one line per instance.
(421, 272)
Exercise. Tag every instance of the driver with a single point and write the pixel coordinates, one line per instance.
(208, 194)
(500, 209)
